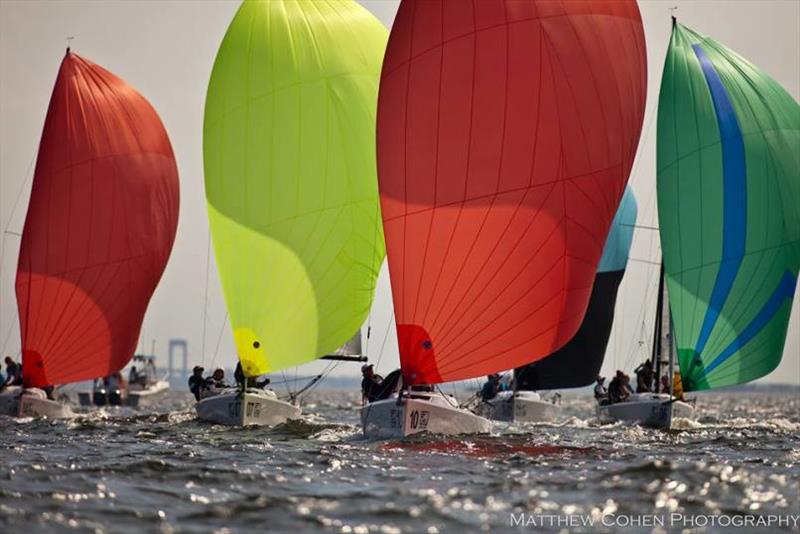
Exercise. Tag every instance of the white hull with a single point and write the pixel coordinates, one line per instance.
(520, 407)
(655, 410)
(419, 412)
(254, 407)
(150, 395)
(34, 403)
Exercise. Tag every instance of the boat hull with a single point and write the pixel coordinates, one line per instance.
(520, 407)
(414, 414)
(650, 410)
(253, 407)
(9, 400)
(34, 403)
(148, 396)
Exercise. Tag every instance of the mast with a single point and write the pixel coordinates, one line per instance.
(656, 355)
(671, 349)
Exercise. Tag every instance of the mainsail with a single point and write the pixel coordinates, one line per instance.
(729, 210)
(352, 347)
(289, 154)
(100, 226)
(506, 133)
(577, 363)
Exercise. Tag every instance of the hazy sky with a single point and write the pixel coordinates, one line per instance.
(166, 49)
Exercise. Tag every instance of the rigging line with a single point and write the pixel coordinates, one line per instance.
(286, 384)
(642, 143)
(385, 337)
(28, 177)
(219, 339)
(640, 260)
(322, 376)
(377, 222)
(205, 298)
(641, 226)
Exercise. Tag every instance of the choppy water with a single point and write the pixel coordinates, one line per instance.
(120, 471)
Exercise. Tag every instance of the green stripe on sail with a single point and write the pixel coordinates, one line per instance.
(290, 176)
(731, 259)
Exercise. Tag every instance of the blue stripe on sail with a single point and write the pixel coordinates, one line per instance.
(734, 201)
(618, 242)
(785, 290)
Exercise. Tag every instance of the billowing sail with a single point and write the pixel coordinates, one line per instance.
(289, 153)
(577, 363)
(729, 210)
(506, 133)
(100, 226)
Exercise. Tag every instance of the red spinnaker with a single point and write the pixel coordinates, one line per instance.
(506, 134)
(100, 226)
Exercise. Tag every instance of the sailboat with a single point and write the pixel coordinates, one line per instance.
(576, 364)
(505, 140)
(291, 188)
(728, 197)
(655, 408)
(99, 230)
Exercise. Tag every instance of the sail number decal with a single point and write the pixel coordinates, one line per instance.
(419, 419)
(252, 409)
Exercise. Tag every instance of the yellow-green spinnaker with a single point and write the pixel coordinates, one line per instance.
(290, 177)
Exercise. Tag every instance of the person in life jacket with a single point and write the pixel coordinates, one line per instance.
(196, 382)
(370, 383)
(618, 390)
(248, 381)
(600, 392)
(13, 373)
(490, 387)
(677, 386)
(644, 377)
(217, 379)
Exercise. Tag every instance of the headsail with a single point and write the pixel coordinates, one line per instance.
(506, 133)
(289, 154)
(99, 229)
(577, 363)
(729, 210)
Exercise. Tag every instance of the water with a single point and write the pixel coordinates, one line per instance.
(120, 471)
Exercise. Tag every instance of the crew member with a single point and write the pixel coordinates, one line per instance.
(196, 382)
(490, 388)
(600, 391)
(370, 383)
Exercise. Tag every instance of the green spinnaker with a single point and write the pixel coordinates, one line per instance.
(290, 176)
(728, 156)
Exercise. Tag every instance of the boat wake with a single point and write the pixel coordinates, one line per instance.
(484, 447)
